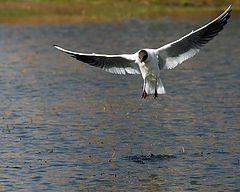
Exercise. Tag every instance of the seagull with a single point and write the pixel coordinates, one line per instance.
(149, 62)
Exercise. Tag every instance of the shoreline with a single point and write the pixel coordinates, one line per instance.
(39, 13)
(48, 19)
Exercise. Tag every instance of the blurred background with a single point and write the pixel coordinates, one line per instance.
(104, 10)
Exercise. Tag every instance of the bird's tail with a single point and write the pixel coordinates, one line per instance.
(150, 86)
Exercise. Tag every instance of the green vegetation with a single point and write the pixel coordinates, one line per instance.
(103, 10)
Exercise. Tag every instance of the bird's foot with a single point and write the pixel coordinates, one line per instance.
(155, 94)
(144, 94)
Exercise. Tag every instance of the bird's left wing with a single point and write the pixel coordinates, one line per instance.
(119, 64)
(172, 54)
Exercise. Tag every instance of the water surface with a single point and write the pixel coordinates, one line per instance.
(66, 126)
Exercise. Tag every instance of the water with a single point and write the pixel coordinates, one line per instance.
(66, 126)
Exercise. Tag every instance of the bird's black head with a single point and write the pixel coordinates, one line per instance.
(143, 55)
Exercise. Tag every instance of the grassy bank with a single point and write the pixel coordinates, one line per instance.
(12, 11)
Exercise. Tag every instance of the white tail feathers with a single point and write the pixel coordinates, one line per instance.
(160, 87)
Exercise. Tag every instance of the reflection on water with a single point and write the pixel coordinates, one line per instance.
(68, 126)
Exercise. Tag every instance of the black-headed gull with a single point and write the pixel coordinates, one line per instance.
(149, 62)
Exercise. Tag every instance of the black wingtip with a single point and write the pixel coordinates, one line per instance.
(229, 9)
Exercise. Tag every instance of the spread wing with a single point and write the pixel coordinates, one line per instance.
(175, 53)
(119, 64)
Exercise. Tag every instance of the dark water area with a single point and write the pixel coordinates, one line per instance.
(66, 126)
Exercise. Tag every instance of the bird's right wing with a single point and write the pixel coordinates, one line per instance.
(186, 47)
(119, 64)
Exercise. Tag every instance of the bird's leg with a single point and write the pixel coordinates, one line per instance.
(156, 93)
(144, 94)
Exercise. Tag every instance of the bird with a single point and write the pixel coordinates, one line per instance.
(149, 62)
